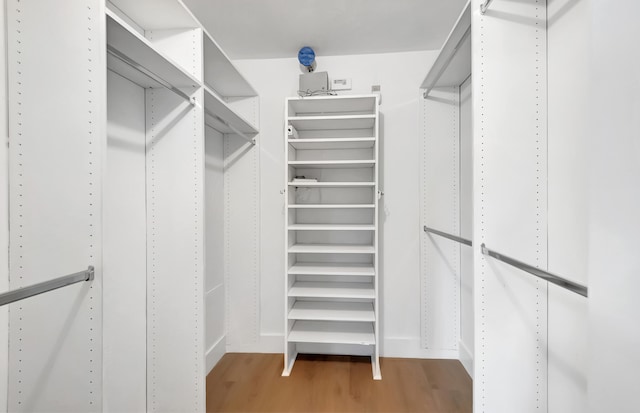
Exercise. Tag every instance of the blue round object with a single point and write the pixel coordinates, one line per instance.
(306, 56)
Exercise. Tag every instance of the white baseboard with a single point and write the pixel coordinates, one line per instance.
(267, 343)
(406, 347)
(215, 353)
(391, 347)
(466, 358)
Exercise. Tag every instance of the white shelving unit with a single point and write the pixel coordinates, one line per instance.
(331, 246)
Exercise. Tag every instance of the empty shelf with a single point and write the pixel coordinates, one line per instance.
(303, 123)
(331, 227)
(328, 105)
(317, 289)
(332, 332)
(333, 184)
(331, 206)
(332, 269)
(332, 143)
(332, 311)
(167, 14)
(128, 42)
(333, 164)
(224, 115)
(331, 249)
(221, 74)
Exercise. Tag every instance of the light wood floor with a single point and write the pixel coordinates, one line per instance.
(252, 383)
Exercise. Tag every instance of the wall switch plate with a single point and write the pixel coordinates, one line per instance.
(341, 84)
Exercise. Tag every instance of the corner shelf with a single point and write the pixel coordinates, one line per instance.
(308, 123)
(220, 74)
(331, 206)
(331, 227)
(333, 184)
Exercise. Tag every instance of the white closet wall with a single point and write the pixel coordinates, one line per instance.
(510, 204)
(614, 202)
(125, 248)
(215, 303)
(569, 91)
(399, 221)
(57, 128)
(4, 215)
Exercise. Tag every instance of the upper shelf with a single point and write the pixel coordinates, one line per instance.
(332, 143)
(453, 64)
(332, 105)
(304, 123)
(167, 14)
(221, 74)
(128, 42)
(221, 116)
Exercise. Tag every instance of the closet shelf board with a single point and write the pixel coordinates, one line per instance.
(332, 269)
(333, 184)
(221, 74)
(167, 14)
(332, 311)
(319, 289)
(331, 249)
(331, 332)
(332, 143)
(215, 104)
(130, 43)
(331, 206)
(308, 123)
(331, 105)
(331, 227)
(346, 164)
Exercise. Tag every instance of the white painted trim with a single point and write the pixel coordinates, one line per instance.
(215, 353)
(466, 358)
(410, 347)
(266, 343)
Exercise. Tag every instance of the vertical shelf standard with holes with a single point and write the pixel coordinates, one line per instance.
(331, 229)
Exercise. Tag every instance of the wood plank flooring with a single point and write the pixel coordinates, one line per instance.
(253, 383)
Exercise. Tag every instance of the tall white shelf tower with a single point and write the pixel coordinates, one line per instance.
(331, 234)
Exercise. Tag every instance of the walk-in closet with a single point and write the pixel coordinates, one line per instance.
(319, 206)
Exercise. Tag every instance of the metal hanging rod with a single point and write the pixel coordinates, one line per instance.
(43, 287)
(129, 61)
(545, 275)
(449, 236)
(484, 6)
(230, 126)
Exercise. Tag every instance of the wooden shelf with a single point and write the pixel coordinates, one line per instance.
(317, 289)
(333, 184)
(214, 104)
(332, 143)
(221, 74)
(331, 227)
(331, 206)
(303, 123)
(363, 270)
(127, 41)
(332, 311)
(332, 332)
(331, 249)
(347, 164)
(331, 105)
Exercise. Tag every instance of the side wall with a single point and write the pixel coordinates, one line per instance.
(614, 201)
(275, 79)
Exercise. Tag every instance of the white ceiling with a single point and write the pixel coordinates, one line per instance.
(253, 29)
